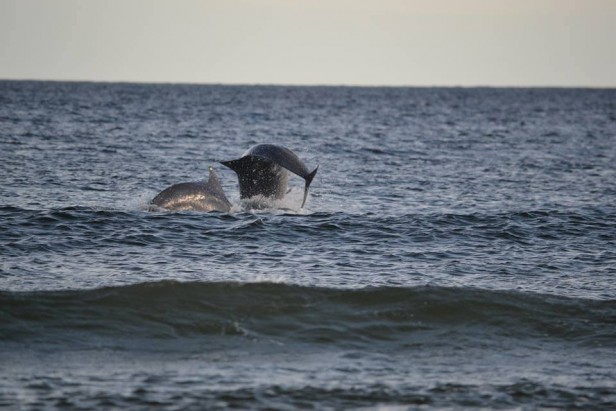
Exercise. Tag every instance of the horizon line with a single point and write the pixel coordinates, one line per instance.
(333, 85)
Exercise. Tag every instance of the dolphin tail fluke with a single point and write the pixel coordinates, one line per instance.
(308, 179)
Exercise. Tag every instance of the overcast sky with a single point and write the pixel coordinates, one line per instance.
(351, 42)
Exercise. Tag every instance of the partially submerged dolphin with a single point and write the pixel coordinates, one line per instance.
(263, 170)
(194, 196)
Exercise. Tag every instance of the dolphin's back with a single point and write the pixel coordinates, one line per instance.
(279, 155)
(194, 196)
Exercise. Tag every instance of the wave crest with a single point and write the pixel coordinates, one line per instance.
(266, 311)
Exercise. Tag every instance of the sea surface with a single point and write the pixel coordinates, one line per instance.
(457, 249)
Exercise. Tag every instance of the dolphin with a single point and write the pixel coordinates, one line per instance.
(263, 170)
(194, 196)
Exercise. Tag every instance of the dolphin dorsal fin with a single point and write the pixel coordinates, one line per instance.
(213, 183)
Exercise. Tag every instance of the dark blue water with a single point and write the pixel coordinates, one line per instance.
(457, 250)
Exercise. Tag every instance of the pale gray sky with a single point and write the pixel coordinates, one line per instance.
(354, 42)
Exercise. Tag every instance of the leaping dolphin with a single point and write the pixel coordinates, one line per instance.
(263, 170)
(194, 196)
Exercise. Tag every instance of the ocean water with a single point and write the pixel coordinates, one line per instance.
(457, 249)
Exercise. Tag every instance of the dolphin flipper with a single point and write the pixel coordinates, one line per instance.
(308, 178)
